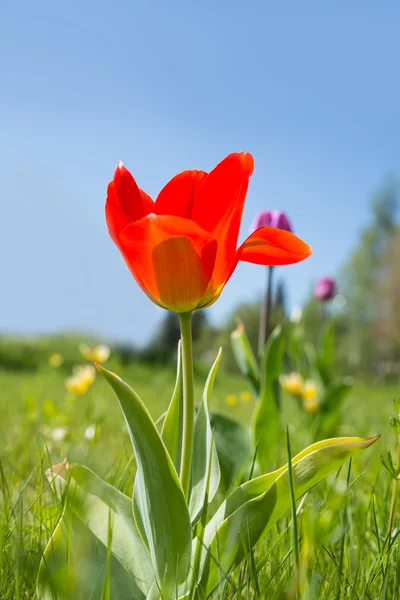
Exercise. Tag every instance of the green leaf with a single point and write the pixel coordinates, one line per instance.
(95, 544)
(172, 429)
(244, 356)
(334, 396)
(395, 424)
(233, 446)
(318, 368)
(387, 462)
(205, 467)
(267, 426)
(160, 508)
(255, 506)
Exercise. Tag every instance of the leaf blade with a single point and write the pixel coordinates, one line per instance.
(160, 508)
(254, 507)
(206, 473)
(172, 430)
(232, 441)
(80, 541)
(266, 425)
(244, 356)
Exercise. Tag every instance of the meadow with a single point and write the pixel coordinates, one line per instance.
(342, 523)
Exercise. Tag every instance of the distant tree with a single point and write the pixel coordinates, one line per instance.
(199, 322)
(312, 318)
(387, 307)
(169, 332)
(279, 303)
(360, 277)
(165, 341)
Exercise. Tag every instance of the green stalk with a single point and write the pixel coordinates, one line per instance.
(185, 320)
(265, 314)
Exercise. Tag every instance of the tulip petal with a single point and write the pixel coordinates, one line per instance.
(270, 246)
(218, 208)
(171, 258)
(177, 197)
(222, 194)
(115, 216)
(135, 203)
(125, 202)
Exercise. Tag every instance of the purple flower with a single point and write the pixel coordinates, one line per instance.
(271, 218)
(325, 289)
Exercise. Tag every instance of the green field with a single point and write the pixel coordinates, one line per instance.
(345, 551)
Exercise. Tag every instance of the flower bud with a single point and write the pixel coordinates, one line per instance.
(271, 218)
(325, 289)
(244, 356)
(292, 383)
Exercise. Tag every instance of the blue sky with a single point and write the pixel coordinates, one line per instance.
(311, 89)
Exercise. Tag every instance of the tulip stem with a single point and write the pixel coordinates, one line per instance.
(188, 400)
(265, 314)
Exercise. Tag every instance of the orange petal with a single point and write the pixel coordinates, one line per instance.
(171, 258)
(115, 216)
(222, 194)
(177, 197)
(135, 203)
(218, 208)
(270, 246)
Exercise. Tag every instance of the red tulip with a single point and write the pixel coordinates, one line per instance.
(182, 248)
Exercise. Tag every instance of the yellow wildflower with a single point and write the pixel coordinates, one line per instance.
(311, 402)
(85, 372)
(311, 405)
(56, 360)
(97, 354)
(309, 390)
(231, 400)
(82, 378)
(246, 396)
(76, 385)
(292, 383)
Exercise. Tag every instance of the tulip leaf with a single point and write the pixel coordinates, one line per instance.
(160, 508)
(335, 394)
(205, 467)
(244, 356)
(332, 400)
(232, 440)
(172, 429)
(267, 425)
(255, 506)
(96, 543)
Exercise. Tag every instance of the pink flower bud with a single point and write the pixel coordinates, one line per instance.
(271, 218)
(325, 289)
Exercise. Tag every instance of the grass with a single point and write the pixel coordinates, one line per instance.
(347, 548)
